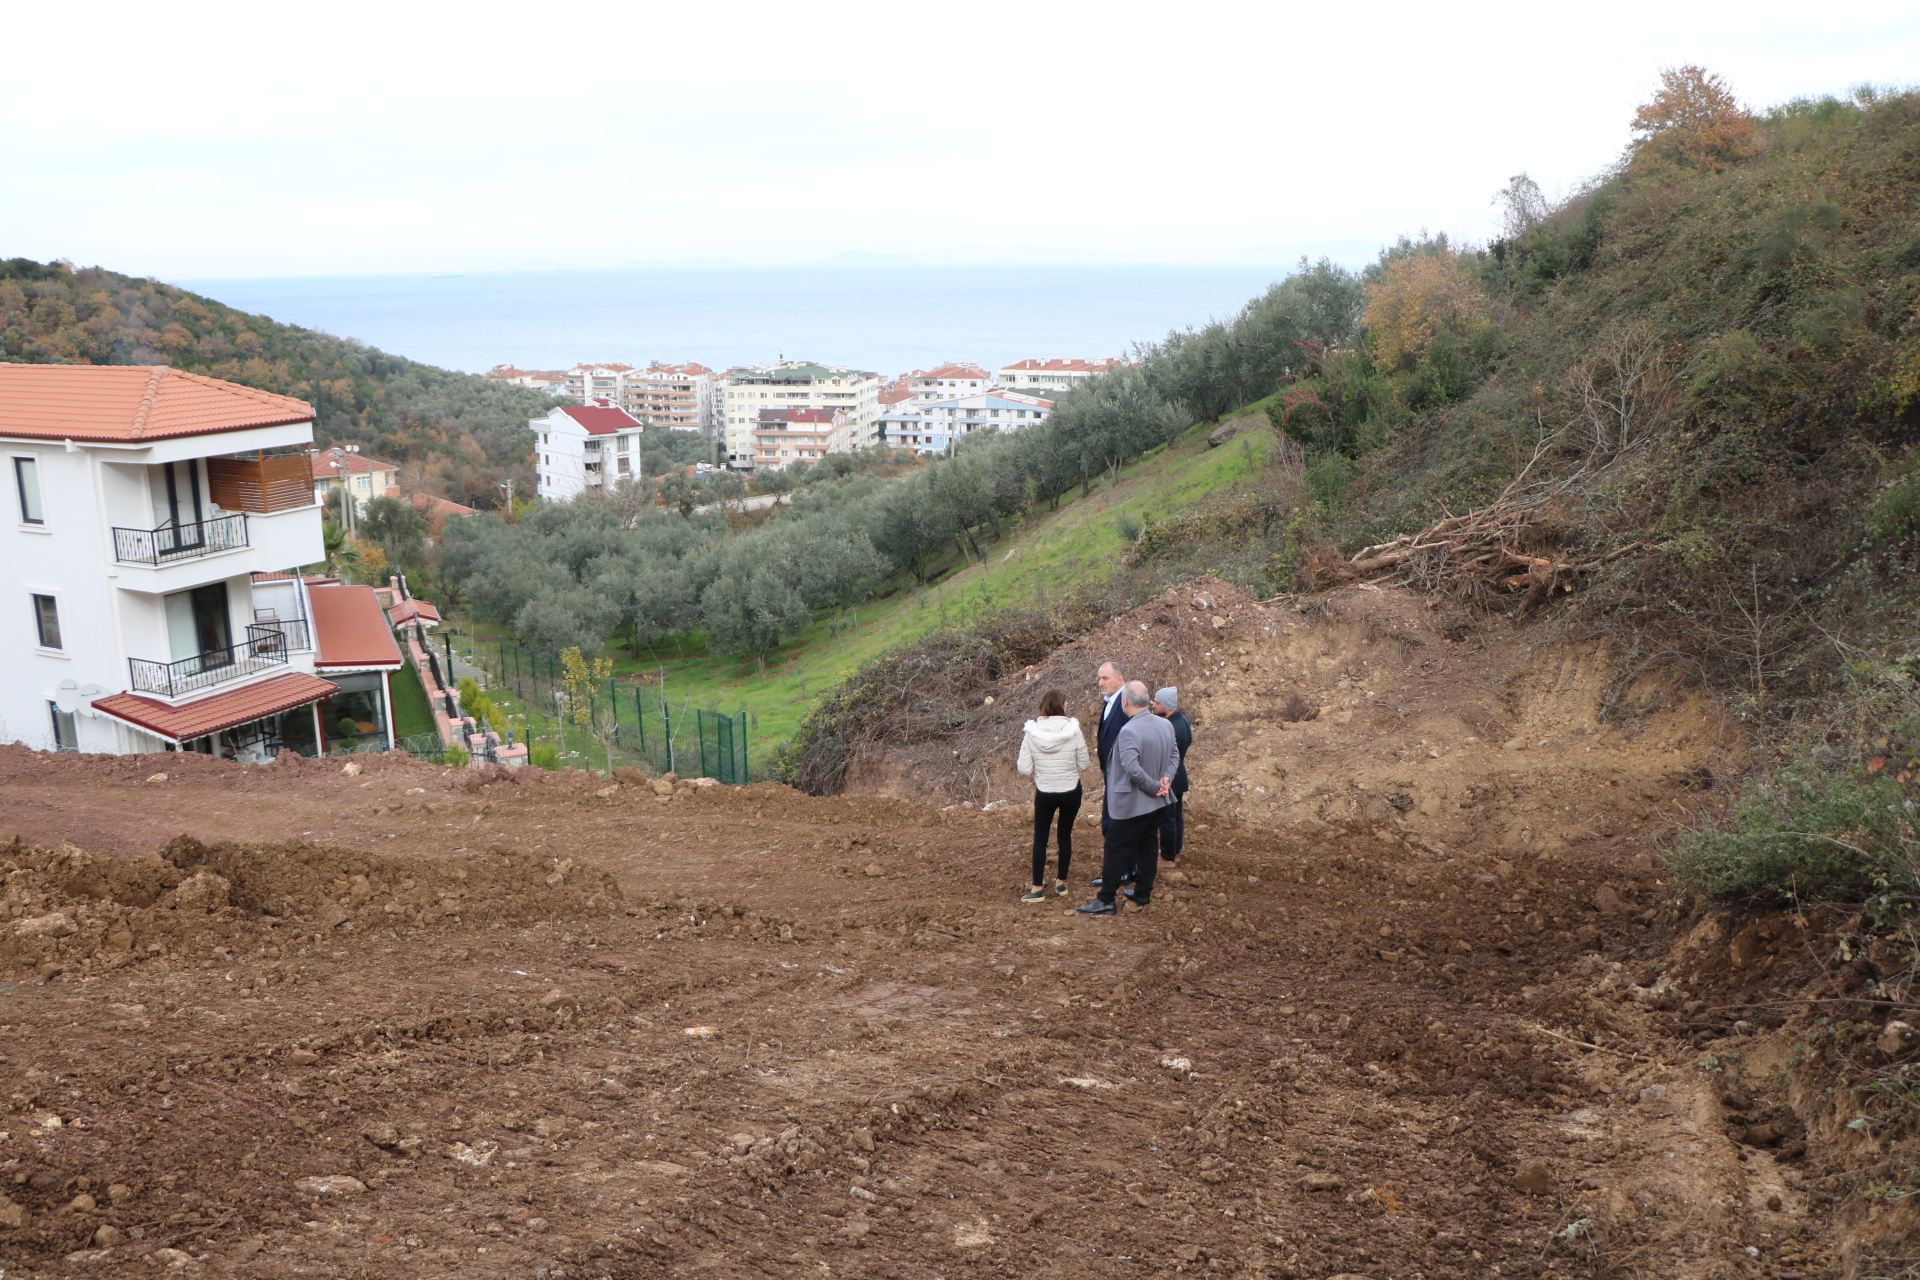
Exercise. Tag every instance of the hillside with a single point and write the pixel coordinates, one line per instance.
(460, 435)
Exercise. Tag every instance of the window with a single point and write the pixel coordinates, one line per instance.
(26, 478)
(66, 734)
(363, 482)
(46, 616)
(626, 465)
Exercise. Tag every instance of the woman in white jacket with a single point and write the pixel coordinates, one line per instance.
(1053, 752)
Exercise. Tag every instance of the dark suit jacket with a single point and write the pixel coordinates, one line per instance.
(1110, 724)
(1183, 738)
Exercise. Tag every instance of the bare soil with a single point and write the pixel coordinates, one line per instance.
(416, 1021)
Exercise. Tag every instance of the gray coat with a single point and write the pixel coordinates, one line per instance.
(1144, 753)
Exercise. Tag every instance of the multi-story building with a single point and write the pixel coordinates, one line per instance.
(582, 447)
(796, 384)
(1056, 375)
(948, 382)
(786, 436)
(157, 520)
(551, 381)
(344, 472)
(933, 428)
(590, 382)
(681, 396)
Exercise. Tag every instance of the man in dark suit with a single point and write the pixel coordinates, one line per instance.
(1139, 785)
(1173, 818)
(1112, 717)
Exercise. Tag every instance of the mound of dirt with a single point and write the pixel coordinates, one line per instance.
(67, 909)
(1363, 707)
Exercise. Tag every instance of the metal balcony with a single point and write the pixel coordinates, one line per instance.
(172, 543)
(264, 647)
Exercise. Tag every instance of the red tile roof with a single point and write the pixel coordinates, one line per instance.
(408, 610)
(331, 462)
(199, 718)
(603, 421)
(795, 415)
(1069, 366)
(954, 371)
(895, 397)
(92, 402)
(432, 504)
(349, 629)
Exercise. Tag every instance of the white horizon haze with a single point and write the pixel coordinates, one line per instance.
(213, 140)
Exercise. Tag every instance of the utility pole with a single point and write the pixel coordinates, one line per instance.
(508, 486)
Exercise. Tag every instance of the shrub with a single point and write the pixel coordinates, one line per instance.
(545, 755)
(1811, 834)
(456, 756)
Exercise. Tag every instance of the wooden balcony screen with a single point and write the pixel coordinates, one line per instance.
(261, 484)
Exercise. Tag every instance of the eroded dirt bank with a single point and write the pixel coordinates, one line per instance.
(441, 1041)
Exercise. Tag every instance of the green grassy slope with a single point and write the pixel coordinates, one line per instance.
(1050, 554)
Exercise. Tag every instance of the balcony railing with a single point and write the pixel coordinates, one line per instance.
(264, 647)
(171, 543)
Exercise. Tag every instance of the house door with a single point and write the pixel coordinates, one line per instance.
(198, 626)
(177, 506)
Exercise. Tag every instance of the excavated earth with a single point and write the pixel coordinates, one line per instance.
(284, 1020)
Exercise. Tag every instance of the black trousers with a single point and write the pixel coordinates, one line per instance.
(1130, 846)
(1045, 805)
(1173, 829)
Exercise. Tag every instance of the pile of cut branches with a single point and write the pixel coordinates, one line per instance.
(1511, 548)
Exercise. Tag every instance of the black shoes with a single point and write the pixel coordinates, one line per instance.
(1136, 899)
(1098, 908)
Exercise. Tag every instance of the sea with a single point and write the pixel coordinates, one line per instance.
(887, 319)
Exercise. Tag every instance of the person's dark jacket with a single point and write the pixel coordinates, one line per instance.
(1110, 726)
(1183, 738)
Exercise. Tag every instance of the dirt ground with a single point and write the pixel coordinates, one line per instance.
(285, 1021)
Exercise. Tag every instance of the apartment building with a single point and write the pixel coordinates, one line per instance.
(156, 522)
(948, 382)
(685, 397)
(786, 436)
(1055, 375)
(932, 428)
(795, 384)
(582, 447)
(551, 381)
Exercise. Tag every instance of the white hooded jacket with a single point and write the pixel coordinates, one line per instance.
(1054, 752)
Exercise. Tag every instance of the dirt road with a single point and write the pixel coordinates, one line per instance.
(389, 1025)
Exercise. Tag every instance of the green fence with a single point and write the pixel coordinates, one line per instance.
(628, 723)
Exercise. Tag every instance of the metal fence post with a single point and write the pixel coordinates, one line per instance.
(700, 726)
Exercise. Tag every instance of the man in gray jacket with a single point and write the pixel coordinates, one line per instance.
(1139, 784)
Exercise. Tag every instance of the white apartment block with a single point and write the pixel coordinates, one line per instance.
(551, 381)
(582, 447)
(948, 382)
(796, 384)
(157, 521)
(1055, 375)
(933, 428)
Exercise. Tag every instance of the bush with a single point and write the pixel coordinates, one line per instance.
(1810, 835)
(456, 756)
(545, 755)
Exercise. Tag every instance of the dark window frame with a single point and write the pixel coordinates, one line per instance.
(46, 609)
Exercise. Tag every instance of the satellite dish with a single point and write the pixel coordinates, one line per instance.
(67, 696)
(88, 692)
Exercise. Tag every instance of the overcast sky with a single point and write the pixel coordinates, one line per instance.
(221, 140)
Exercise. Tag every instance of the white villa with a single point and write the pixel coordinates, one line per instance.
(157, 521)
(578, 448)
(933, 427)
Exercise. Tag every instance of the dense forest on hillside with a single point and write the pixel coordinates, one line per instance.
(455, 433)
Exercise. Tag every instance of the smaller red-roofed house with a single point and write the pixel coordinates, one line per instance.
(346, 472)
(582, 447)
(355, 649)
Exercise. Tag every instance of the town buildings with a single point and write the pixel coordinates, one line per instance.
(156, 520)
(795, 384)
(1056, 375)
(789, 435)
(582, 447)
(685, 397)
(948, 382)
(932, 428)
(551, 381)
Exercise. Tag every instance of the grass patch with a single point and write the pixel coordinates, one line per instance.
(412, 712)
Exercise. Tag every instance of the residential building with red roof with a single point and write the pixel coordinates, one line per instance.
(786, 436)
(344, 472)
(156, 523)
(582, 447)
(551, 381)
(934, 428)
(1057, 375)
